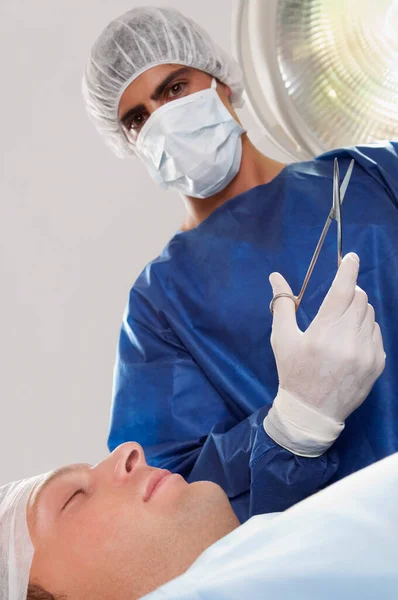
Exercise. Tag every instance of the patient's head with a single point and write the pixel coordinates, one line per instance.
(121, 528)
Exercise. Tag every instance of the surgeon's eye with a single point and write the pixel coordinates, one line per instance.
(176, 90)
(136, 122)
(73, 496)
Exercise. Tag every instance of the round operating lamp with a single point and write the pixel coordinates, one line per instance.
(319, 74)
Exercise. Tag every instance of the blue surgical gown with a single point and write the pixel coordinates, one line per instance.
(341, 543)
(195, 373)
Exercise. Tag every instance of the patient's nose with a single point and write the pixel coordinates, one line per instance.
(126, 459)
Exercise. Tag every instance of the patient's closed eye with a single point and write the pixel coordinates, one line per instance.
(75, 493)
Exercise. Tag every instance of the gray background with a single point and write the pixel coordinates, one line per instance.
(77, 225)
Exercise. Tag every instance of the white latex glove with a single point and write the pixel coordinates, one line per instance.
(326, 372)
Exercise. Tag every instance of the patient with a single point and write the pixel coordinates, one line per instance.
(121, 529)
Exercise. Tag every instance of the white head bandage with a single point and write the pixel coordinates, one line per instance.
(16, 549)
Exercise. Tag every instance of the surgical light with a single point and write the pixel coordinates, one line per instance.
(320, 74)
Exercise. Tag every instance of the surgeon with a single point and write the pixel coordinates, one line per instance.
(195, 375)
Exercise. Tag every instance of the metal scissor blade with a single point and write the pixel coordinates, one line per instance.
(337, 211)
(346, 180)
(341, 194)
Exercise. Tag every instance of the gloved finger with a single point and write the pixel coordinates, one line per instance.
(379, 349)
(342, 290)
(368, 324)
(284, 309)
(358, 311)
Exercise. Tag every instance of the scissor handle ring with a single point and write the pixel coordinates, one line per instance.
(283, 295)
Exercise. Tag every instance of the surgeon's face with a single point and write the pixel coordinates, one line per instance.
(121, 528)
(160, 85)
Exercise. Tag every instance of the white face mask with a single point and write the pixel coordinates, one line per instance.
(192, 145)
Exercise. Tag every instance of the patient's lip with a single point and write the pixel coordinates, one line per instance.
(153, 482)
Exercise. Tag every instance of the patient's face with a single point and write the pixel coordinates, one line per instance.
(121, 528)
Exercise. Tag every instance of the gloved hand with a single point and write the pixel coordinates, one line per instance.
(326, 372)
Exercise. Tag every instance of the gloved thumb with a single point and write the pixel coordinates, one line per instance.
(284, 309)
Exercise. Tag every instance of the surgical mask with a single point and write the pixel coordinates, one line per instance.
(192, 145)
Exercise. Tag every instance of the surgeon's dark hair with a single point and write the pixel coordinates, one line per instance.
(36, 592)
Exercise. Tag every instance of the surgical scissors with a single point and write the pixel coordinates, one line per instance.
(335, 213)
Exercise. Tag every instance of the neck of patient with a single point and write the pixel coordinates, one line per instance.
(256, 169)
(181, 557)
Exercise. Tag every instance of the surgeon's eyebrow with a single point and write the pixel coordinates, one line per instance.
(167, 80)
(156, 94)
(57, 474)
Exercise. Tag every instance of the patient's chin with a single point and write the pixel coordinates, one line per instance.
(208, 489)
(212, 501)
